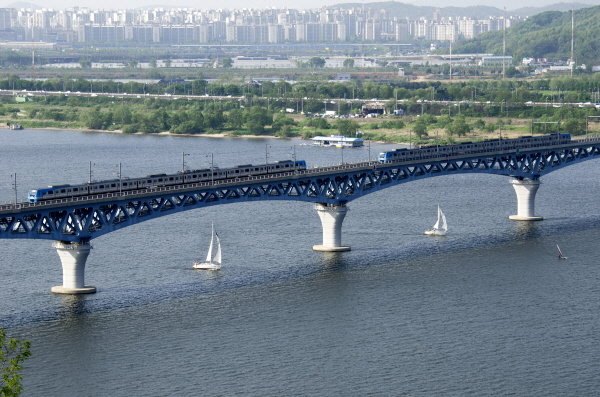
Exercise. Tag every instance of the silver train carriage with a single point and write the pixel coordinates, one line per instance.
(466, 148)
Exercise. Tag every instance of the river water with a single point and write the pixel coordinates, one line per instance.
(486, 310)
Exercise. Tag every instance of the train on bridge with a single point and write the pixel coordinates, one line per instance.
(248, 170)
(160, 180)
(467, 148)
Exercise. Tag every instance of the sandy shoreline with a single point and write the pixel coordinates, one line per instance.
(164, 133)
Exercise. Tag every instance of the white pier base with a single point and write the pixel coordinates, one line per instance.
(73, 257)
(526, 190)
(332, 217)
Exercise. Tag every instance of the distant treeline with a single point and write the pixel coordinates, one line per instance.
(559, 89)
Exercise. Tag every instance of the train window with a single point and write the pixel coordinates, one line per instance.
(62, 190)
(50, 192)
(160, 180)
(171, 178)
(149, 181)
(113, 185)
(75, 189)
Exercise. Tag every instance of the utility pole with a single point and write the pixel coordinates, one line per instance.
(266, 154)
(14, 186)
(90, 180)
(183, 154)
(120, 180)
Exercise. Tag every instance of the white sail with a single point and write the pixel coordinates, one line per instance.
(213, 257)
(441, 227)
(217, 257)
(210, 247)
(439, 218)
(444, 225)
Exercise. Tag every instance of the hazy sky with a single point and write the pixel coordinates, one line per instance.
(509, 4)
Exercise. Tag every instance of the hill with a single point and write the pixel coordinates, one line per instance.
(403, 10)
(530, 11)
(546, 35)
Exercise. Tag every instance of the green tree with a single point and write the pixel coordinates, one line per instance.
(318, 122)
(122, 115)
(281, 121)
(235, 119)
(257, 118)
(13, 353)
(227, 62)
(346, 127)
(479, 124)
(348, 63)
(573, 126)
(95, 119)
(420, 128)
(317, 62)
(285, 132)
(458, 127)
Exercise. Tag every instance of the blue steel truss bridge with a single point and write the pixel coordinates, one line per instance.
(73, 222)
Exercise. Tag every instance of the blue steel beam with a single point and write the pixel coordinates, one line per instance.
(79, 219)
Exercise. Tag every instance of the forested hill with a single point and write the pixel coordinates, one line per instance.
(411, 11)
(546, 35)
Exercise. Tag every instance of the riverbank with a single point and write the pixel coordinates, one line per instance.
(369, 129)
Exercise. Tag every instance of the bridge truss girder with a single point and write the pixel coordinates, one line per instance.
(82, 222)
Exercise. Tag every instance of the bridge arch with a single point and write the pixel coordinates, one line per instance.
(73, 223)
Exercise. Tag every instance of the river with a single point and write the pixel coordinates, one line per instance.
(487, 310)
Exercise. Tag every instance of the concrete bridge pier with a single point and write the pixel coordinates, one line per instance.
(73, 257)
(526, 190)
(332, 217)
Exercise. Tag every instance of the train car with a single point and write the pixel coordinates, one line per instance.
(204, 175)
(465, 148)
(49, 193)
(162, 180)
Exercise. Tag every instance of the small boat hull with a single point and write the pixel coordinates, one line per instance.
(206, 266)
(434, 232)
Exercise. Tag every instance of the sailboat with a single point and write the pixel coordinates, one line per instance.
(560, 254)
(441, 227)
(213, 258)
